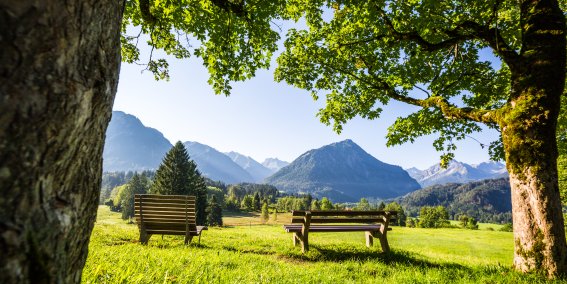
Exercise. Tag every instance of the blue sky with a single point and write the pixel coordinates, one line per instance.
(263, 118)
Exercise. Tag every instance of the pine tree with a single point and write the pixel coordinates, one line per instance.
(214, 216)
(177, 174)
(257, 202)
(265, 212)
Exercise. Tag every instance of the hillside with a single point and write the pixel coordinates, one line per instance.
(131, 146)
(216, 165)
(343, 172)
(458, 172)
(487, 200)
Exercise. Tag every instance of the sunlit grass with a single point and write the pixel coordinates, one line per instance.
(248, 252)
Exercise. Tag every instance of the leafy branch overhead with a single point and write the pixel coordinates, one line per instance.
(429, 54)
(234, 38)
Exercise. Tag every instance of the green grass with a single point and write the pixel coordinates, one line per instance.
(249, 252)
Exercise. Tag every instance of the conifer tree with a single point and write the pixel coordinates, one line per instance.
(214, 216)
(257, 202)
(265, 212)
(177, 174)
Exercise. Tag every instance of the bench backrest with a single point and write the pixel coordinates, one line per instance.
(327, 217)
(165, 214)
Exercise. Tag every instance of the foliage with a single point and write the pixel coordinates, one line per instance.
(177, 174)
(234, 38)
(238, 191)
(265, 213)
(138, 184)
(257, 202)
(214, 212)
(507, 228)
(487, 201)
(247, 203)
(326, 204)
(467, 222)
(433, 217)
(363, 205)
(401, 217)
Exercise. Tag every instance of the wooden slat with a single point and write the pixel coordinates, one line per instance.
(165, 213)
(163, 201)
(330, 228)
(343, 213)
(164, 206)
(161, 219)
(161, 196)
(338, 220)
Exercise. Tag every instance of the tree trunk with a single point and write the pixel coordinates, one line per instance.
(528, 132)
(59, 64)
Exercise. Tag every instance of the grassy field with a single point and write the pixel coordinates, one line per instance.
(246, 251)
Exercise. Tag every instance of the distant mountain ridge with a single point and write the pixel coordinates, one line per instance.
(216, 165)
(487, 200)
(343, 172)
(131, 146)
(458, 172)
(258, 171)
(274, 164)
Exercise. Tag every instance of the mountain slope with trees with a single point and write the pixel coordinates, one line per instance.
(486, 200)
(343, 172)
(131, 146)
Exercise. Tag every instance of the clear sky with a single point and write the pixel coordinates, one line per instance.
(263, 119)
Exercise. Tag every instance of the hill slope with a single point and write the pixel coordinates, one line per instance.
(216, 165)
(486, 200)
(131, 146)
(343, 172)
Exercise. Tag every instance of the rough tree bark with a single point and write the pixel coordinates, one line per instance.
(59, 64)
(528, 132)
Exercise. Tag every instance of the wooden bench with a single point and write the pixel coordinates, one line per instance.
(166, 215)
(374, 223)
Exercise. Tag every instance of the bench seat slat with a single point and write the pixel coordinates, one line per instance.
(339, 220)
(296, 213)
(331, 228)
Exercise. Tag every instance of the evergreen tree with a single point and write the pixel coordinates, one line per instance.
(265, 212)
(275, 215)
(214, 216)
(257, 202)
(381, 206)
(247, 203)
(177, 174)
(315, 204)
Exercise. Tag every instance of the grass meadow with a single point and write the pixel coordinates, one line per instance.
(247, 251)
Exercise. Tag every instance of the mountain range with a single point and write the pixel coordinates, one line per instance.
(341, 171)
(458, 172)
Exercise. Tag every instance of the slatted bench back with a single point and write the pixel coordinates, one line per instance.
(340, 217)
(165, 214)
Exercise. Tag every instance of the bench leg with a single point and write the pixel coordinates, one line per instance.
(296, 239)
(305, 243)
(144, 236)
(384, 243)
(188, 239)
(369, 239)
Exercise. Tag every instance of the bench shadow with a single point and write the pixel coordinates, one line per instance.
(394, 257)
